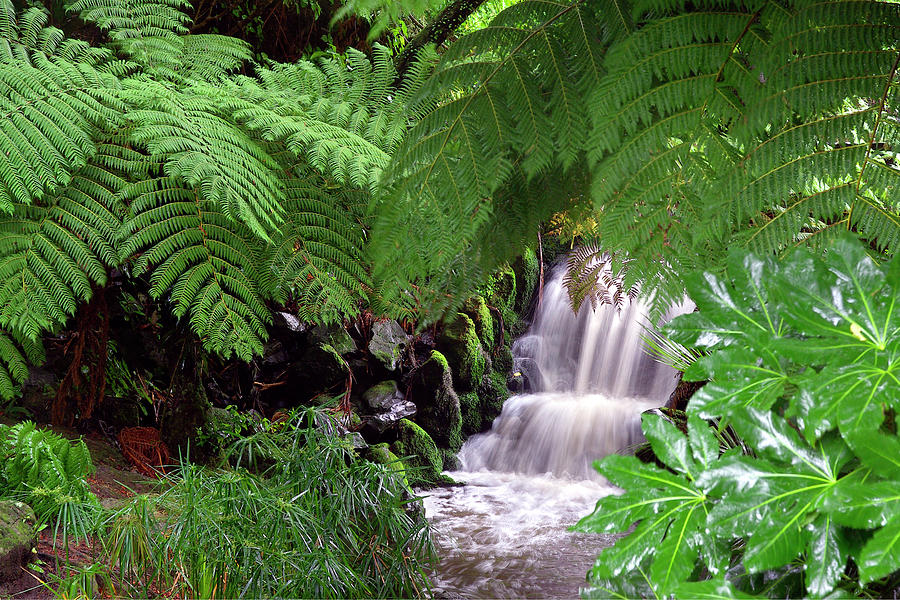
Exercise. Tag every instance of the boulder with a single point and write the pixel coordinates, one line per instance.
(470, 407)
(477, 310)
(389, 403)
(289, 322)
(420, 454)
(17, 538)
(527, 271)
(438, 404)
(388, 343)
(381, 454)
(460, 344)
(492, 394)
(334, 336)
(322, 366)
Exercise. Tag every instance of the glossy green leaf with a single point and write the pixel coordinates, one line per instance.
(711, 589)
(827, 556)
(739, 378)
(881, 555)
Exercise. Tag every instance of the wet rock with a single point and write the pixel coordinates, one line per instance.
(355, 440)
(388, 343)
(334, 336)
(119, 412)
(289, 322)
(516, 383)
(470, 407)
(492, 394)
(420, 455)
(17, 538)
(527, 272)
(389, 404)
(322, 366)
(438, 404)
(460, 344)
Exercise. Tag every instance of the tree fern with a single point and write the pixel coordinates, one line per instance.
(510, 113)
(711, 124)
(53, 252)
(204, 259)
(16, 353)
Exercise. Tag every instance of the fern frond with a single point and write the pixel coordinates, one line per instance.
(53, 252)
(206, 261)
(512, 106)
(199, 145)
(317, 257)
(50, 114)
(16, 353)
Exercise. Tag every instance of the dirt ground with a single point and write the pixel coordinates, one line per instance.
(114, 479)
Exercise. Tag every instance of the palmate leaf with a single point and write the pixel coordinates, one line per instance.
(773, 501)
(669, 508)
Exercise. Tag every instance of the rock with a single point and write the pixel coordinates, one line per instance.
(17, 538)
(421, 455)
(470, 407)
(477, 310)
(527, 271)
(449, 460)
(381, 454)
(383, 395)
(388, 343)
(492, 393)
(289, 322)
(500, 292)
(438, 404)
(274, 354)
(389, 404)
(516, 383)
(459, 343)
(334, 336)
(355, 440)
(181, 419)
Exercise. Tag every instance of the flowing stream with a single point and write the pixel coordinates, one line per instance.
(504, 534)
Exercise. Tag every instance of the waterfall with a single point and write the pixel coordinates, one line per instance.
(590, 378)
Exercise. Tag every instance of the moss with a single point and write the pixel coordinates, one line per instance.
(450, 460)
(527, 269)
(381, 454)
(477, 310)
(459, 342)
(423, 459)
(500, 292)
(470, 407)
(503, 360)
(492, 393)
(437, 402)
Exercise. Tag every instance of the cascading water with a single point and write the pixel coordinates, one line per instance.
(530, 477)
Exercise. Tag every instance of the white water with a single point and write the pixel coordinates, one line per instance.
(504, 534)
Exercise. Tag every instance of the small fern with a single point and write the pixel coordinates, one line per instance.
(49, 473)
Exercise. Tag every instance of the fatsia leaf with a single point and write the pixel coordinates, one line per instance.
(827, 556)
(881, 555)
(670, 511)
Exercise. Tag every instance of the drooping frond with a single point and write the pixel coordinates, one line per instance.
(147, 31)
(589, 277)
(511, 111)
(198, 144)
(343, 118)
(50, 113)
(206, 261)
(54, 251)
(16, 353)
(317, 257)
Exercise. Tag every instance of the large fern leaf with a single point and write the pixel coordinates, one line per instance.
(206, 261)
(16, 353)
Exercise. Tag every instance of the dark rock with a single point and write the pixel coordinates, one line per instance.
(516, 383)
(492, 393)
(334, 336)
(527, 271)
(382, 396)
(381, 454)
(470, 407)
(182, 419)
(121, 412)
(438, 404)
(274, 354)
(388, 344)
(17, 538)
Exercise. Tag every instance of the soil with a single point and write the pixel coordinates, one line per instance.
(113, 480)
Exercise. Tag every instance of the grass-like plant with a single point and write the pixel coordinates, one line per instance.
(319, 523)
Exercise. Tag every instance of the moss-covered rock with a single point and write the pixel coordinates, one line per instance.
(381, 454)
(460, 344)
(388, 343)
(500, 292)
(17, 538)
(470, 406)
(477, 310)
(492, 393)
(438, 405)
(450, 460)
(422, 457)
(502, 359)
(527, 269)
